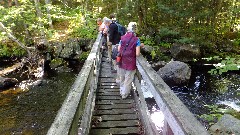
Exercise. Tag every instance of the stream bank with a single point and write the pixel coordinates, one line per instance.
(32, 111)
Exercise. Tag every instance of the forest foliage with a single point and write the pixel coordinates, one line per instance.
(211, 24)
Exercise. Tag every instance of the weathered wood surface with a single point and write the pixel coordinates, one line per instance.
(179, 118)
(66, 121)
(116, 131)
(117, 116)
(149, 126)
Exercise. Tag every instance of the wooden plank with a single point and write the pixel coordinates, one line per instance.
(115, 111)
(110, 102)
(116, 131)
(120, 106)
(109, 87)
(107, 75)
(112, 124)
(108, 84)
(108, 90)
(109, 97)
(106, 93)
(107, 81)
(119, 117)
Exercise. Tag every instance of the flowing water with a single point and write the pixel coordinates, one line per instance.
(203, 89)
(31, 111)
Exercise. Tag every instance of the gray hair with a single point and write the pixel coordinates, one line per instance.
(107, 20)
(104, 19)
(132, 27)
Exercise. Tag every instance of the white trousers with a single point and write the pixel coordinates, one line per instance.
(126, 79)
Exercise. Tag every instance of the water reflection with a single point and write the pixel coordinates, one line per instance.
(31, 110)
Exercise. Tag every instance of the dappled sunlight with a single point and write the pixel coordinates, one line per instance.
(24, 85)
(158, 119)
(60, 35)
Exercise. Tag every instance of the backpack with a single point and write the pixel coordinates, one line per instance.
(121, 29)
(114, 52)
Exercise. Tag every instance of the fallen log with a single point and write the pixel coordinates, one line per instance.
(11, 69)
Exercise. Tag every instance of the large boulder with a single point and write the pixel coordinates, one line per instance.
(227, 125)
(185, 52)
(69, 50)
(7, 82)
(175, 73)
(147, 49)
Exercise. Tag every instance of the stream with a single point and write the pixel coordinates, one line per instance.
(203, 89)
(32, 110)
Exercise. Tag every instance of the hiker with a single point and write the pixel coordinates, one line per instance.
(104, 30)
(99, 22)
(102, 24)
(129, 49)
(114, 38)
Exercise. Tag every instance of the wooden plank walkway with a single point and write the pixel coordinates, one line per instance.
(113, 115)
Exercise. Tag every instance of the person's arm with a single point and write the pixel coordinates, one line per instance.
(119, 46)
(138, 51)
(138, 44)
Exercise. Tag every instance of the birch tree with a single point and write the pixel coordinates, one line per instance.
(48, 4)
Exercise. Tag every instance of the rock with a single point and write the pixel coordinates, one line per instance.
(63, 69)
(146, 49)
(185, 52)
(175, 73)
(69, 50)
(57, 62)
(86, 44)
(7, 82)
(227, 125)
(158, 65)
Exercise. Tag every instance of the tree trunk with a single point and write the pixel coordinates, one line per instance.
(27, 38)
(2, 28)
(47, 2)
(39, 15)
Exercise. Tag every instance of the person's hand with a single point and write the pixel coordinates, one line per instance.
(142, 45)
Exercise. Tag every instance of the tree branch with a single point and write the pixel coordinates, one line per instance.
(2, 28)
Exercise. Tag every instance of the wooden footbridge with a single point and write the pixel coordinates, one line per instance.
(93, 106)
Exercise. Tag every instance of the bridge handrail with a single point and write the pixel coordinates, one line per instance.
(73, 108)
(176, 114)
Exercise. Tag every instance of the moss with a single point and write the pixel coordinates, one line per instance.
(84, 56)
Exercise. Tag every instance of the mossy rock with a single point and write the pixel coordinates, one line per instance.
(57, 62)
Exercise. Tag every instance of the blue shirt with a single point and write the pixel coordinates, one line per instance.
(137, 44)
